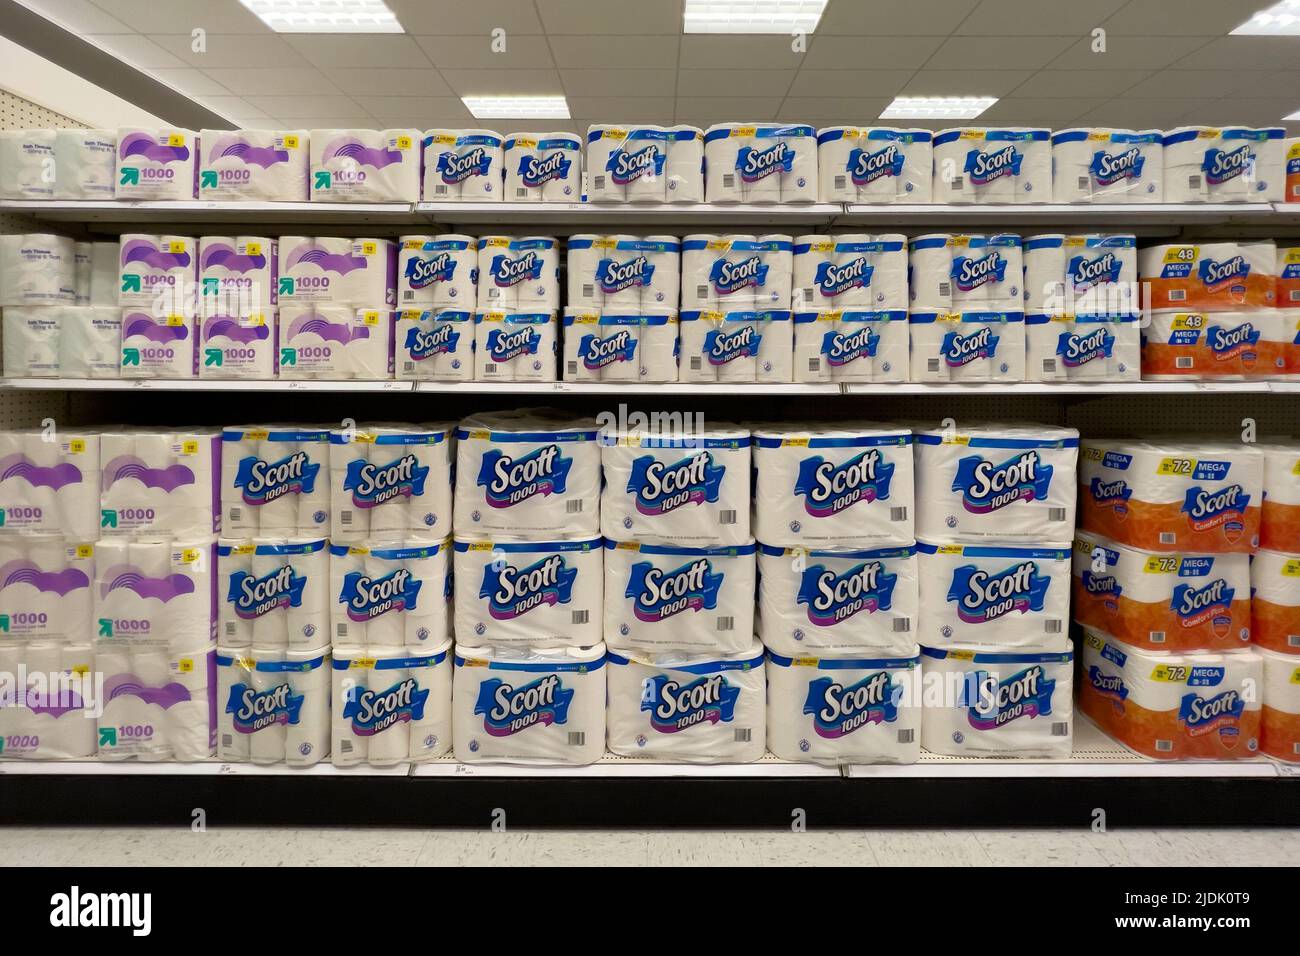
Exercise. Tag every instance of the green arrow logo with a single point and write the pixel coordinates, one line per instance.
(4, 623)
(2, 517)
(131, 356)
(108, 518)
(211, 286)
(108, 736)
(212, 357)
(130, 283)
(286, 285)
(322, 179)
(208, 179)
(288, 357)
(130, 176)
(105, 627)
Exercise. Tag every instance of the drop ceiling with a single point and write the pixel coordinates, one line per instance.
(1167, 62)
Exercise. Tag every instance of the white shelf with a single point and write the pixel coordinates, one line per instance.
(195, 385)
(1070, 388)
(668, 214)
(597, 388)
(1115, 215)
(206, 768)
(197, 211)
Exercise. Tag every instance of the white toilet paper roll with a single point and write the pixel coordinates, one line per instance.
(37, 269)
(155, 592)
(391, 706)
(45, 588)
(365, 165)
(273, 705)
(273, 592)
(156, 163)
(82, 266)
(543, 167)
(85, 161)
(1186, 149)
(49, 483)
(724, 143)
(437, 270)
(390, 594)
(515, 346)
(54, 717)
(32, 337)
(159, 483)
(462, 164)
(434, 345)
(391, 482)
(28, 167)
(603, 143)
(271, 481)
(158, 705)
(684, 167)
(255, 165)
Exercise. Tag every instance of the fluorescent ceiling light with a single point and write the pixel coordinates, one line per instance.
(1280, 20)
(752, 16)
(937, 107)
(1293, 118)
(325, 16)
(517, 107)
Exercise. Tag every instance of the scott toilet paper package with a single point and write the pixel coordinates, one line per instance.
(336, 343)
(273, 592)
(687, 488)
(49, 693)
(645, 163)
(838, 601)
(1279, 521)
(1102, 348)
(1173, 706)
(838, 710)
(85, 163)
(335, 271)
(365, 165)
(623, 273)
(519, 273)
(159, 482)
(530, 473)
(515, 346)
(437, 270)
(530, 593)
(271, 481)
(390, 594)
(1216, 345)
(697, 709)
(999, 597)
(874, 164)
(665, 598)
(1275, 601)
(1010, 484)
(155, 593)
(49, 483)
(158, 704)
(1108, 165)
(617, 347)
(28, 168)
(391, 481)
(993, 166)
(851, 346)
(738, 346)
(37, 269)
(954, 273)
(1231, 164)
(757, 164)
(543, 167)
(1209, 276)
(462, 165)
(1083, 275)
(45, 588)
(833, 486)
(156, 163)
(254, 165)
(985, 704)
(850, 271)
(1279, 731)
(737, 272)
(273, 706)
(434, 345)
(529, 707)
(1162, 602)
(390, 705)
(1172, 495)
(967, 346)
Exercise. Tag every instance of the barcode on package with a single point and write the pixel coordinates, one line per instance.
(345, 517)
(581, 617)
(572, 368)
(1177, 295)
(726, 623)
(440, 189)
(743, 735)
(1052, 625)
(521, 192)
(898, 513)
(345, 746)
(907, 735)
(1164, 746)
(1194, 181)
(341, 629)
(945, 289)
(1156, 637)
(598, 181)
(932, 365)
(1055, 514)
(588, 290)
(577, 738)
(696, 363)
(841, 181)
(902, 625)
(1293, 640)
(1061, 728)
(1084, 182)
(231, 628)
(728, 180)
(235, 514)
(1183, 361)
(408, 295)
(573, 506)
(1168, 537)
(227, 740)
(957, 182)
(701, 292)
(490, 368)
(1049, 365)
(814, 365)
(727, 516)
(408, 366)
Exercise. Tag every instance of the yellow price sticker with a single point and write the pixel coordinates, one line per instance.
(253, 249)
(291, 142)
(794, 442)
(77, 446)
(744, 131)
(949, 549)
(956, 440)
(480, 434)
(370, 318)
(585, 318)
(1176, 466)
(1175, 254)
(1160, 564)
(1170, 673)
(358, 549)
(1295, 676)
(256, 434)
(403, 142)
(1291, 569)
(185, 665)
(526, 143)
(1095, 642)
(475, 662)
(243, 549)
(498, 242)
(1295, 469)
(972, 134)
(176, 139)
(962, 655)
(81, 669)
(806, 661)
(190, 555)
(481, 546)
(1294, 151)
(85, 550)
(247, 663)
(615, 133)
(176, 245)
(175, 321)
(369, 248)
(443, 139)
(1188, 322)
(189, 447)
(628, 546)
(363, 663)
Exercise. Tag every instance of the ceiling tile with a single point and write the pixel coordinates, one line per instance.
(796, 109)
(1127, 53)
(191, 82)
(614, 52)
(733, 82)
(619, 82)
(516, 82)
(273, 82)
(461, 18)
(1140, 114)
(332, 120)
(662, 17)
(238, 111)
(965, 82)
(395, 82)
(624, 109)
(718, 109)
(232, 51)
(319, 105)
(876, 53)
(340, 51)
(1055, 112)
(869, 83)
(137, 50)
(468, 53)
(576, 127)
(992, 53)
(1241, 53)
(411, 105)
(702, 51)
(1036, 17)
(80, 16)
(1100, 83)
(1258, 112)
(894, 17)
(1182, 17)
(1210, 84)
(182, 16)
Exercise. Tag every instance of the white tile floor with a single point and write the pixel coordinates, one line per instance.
(232, 847)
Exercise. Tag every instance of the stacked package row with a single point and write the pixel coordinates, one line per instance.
(1187, 584)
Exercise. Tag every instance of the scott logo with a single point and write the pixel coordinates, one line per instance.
(982, 597)
(537, 170)
(841, 349)
(837, 711)
(1084, 273)
(833, 599)
(755, 164)
(457, 168)
(968, 273)
(1222, 165)
(1112, 493)
(372, 485)
(657, 595)
(1201, 715)
(722, 347)
(958, 350)
(1210, 509)
(374, 711)
(829, 488)
(420, 273)
(674, 708)
(985, 167)
(1243, 340)
(1076, 350)
(624, 168)
(1107, 685)
(833, 280)
(507, 710)
(421, 345)
(1213, 273)
(509, 481)
(1195, 606)
(596, 353)
(367, 598)
(986, 487)
(512, 592)
(998, 703)
(1107, 168)
(728, 277)
(865, 167)
(256, 596)
(507, 272)
(256, 710)
(262, 482)
(614, 277)
(504, 346)
(659, 487)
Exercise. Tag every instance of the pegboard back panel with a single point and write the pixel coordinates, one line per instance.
(1202, 415)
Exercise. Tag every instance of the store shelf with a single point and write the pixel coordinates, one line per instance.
(1071, 388)
(597, 388)
(199, 212)
(1113, 215)
(195, 385)
(593, 214)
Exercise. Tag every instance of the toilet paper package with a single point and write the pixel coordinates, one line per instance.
(736, 346)
(1173, 706)
(156, 163)
(85, 163)
(48, 692)
(528, 707)
(157, 592)
(661, 598)
(462, 165)
(645, 164)
(357, 273)
(45, 588)
(1288, 277)
(158, 704)
(37, 269)
(993, 166)
(365, 165)
(1292, 169)
(238, 275)
(1215, 345)
(1279, 731)
(273, 705)
(28, 167)
(874, 164)
(688, 488)
(737, 272)
(390, 706)
(530, 473)
(32, 336)
(82, 267)
(850, 271)
(1275, 601)
(951, 273)
(159, 483)
(271, 481)
(515, 346)
(1005, 484)
(529, 593)
(993, 596)
(688, 709)
(822, 485)
(758, 164)
(238, 346)
(160, 346)
(254, 165)
(273, 592)
(158, 274)
(543, 167)
(613, 347)
(390, 594)
(851, 346)
(1081, 275)
(1162, 602)
(335, 343)
(435, 345)
(845, 710)
(1172, 496)
(1209, 276)
(519, 273)
(1279, 521)
(624, 273)
(437, 270)
(1232, 164)
(391, 481)
(837, 601)
(984, 703)
(105, 281)
(1089, 348)
(49, 483)
(1108, 166)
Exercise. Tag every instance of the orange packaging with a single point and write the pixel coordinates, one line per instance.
(1279, 519)
(1293, 170)
(1162, 602)
(1280, 731)
(1209, 277)
(1275, 601)
(1172, 496)
(1288, 277)
(1173, 706)
(1218, 345)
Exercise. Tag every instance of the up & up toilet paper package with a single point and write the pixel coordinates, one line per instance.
(996, 597)
(753, 163)
(620, 347)
(254, 165)
(273, 705)
(158, 273)
(645, 163)
(365, 165)
(158, 704)
(335, 343)
(843, 710)
(434, 345)
(850, 271)
(673, 598)
(238, 275)
(156, 592)
(1173, 706)
(980, 703)
(1275, 601)
(1108, 166)
(1162, 602)
(1010, 484)
(390, 594)
(993, 166)
(1221, 165)
(337, 271)
(50, 483)
(271, 481)
(159, 482)
(390, 705)
(1279, 732)
(157, 163)
(874, 164)
(462, 165)
(543, 167)
(837, 601)
(1209, 276)
(390, 481)
(529, 706)
(49, 692)
(273, 592)
(1279, 522)
(45, 588)
(692, 709)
